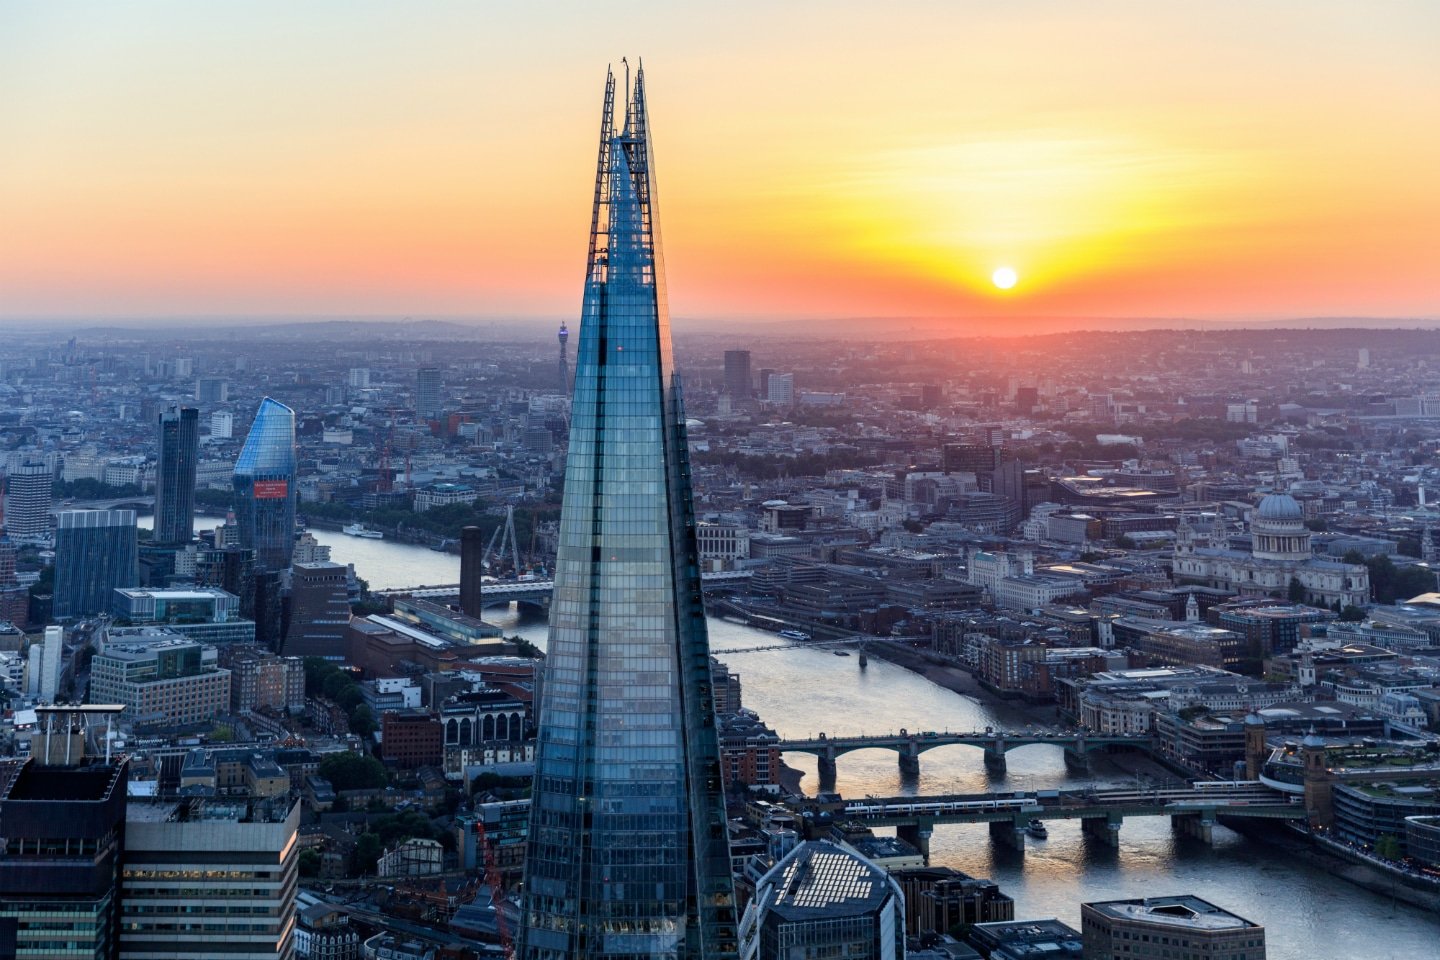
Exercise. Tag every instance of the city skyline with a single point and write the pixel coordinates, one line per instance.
(1126, 161)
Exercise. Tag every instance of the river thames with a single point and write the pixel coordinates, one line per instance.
(1308, 914)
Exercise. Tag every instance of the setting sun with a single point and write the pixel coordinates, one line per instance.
(1004, 277)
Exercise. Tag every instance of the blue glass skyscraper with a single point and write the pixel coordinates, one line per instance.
(264, 484)
(628, 853)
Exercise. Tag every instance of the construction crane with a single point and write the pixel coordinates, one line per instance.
(497, 892)
(505, 534)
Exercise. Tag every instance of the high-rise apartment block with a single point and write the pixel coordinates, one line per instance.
(264, 482)
(628, 850)
(781, 389)
(179, 453)
(428, 393)
(46, 665)
(737, 374)
(222, 425)
(96, 551)
(27, 500)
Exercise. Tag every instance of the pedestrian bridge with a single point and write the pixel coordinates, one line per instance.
(1194, 810)
(995, 743)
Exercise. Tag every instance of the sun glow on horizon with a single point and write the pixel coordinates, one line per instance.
(1004, 277)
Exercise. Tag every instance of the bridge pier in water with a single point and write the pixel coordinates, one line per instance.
(1077, 761)
(825, 768)
(909, 759)
(1198, 826)
(995, 755)
(918, 836)
(1104, 829)
(1010, 833)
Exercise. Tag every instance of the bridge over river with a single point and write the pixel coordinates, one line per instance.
(995, 743)
(496, 592)
(1194, 810)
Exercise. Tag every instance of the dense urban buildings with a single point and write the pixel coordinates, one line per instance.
(627, 852)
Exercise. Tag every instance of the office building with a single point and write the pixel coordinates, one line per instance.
(781, 389)
(59, 867)
(358, 378)
(179, 453)
(1024, 939)
(1161, 927)
(264, 483)
(737, 374)
(212, 390)
(428, 393)
(96, 551)
(27, 500)
(209, 879)
(824, 900)
(628, 852)
(161, 678)
(319, 611)
(205, 614)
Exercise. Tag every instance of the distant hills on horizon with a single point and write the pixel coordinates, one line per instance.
(846, 328)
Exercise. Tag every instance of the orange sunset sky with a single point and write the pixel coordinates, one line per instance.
(1227, 160)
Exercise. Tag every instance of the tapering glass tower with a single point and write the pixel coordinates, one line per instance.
(264, 483)
(628, 854)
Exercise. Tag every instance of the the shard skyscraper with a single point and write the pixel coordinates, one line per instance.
(628, 853)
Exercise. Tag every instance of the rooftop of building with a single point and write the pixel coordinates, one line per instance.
(819, 879)
(1184, 911)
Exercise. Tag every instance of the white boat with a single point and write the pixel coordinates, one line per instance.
(359, 530)
(794, 634)
(1037, 829)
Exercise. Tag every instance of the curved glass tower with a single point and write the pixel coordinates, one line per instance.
(628, 854)
(264, 484)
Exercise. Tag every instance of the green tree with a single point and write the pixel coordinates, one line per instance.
(368, 849)
(1387, 847)
(309, 863)
(335, 684)
(1352, 614)
(362, 721)
(348, 770)
(1124, 542)
(1296, 593)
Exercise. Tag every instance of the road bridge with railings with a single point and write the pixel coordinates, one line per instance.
(996, 743)
(1193, 809)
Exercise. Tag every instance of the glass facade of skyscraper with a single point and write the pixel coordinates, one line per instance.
(628, 851)
(95, 552)
(265, 486)
(179, 450)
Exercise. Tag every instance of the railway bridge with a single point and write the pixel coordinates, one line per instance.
(996, 743)
(1194, 809)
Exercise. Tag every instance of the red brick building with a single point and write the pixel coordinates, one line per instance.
(411, 738)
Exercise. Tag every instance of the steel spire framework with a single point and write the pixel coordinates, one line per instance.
(628, 852)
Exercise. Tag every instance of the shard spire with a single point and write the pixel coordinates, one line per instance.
(628, 852)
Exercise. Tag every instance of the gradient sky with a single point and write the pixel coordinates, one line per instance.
(1256, 159)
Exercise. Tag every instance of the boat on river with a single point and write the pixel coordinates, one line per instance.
(360, 530)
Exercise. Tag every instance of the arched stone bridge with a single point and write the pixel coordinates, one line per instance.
(996, 743)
